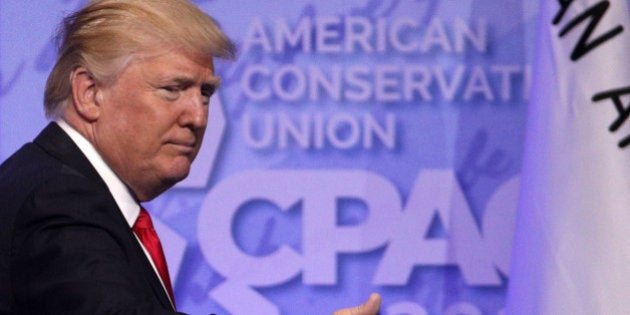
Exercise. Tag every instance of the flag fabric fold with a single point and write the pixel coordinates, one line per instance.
(571, 252)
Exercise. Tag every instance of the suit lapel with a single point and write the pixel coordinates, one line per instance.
(59, 145)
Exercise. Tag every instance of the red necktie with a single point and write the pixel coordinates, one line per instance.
(145, 232)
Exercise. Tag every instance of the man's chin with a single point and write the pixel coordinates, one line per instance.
(165, 183)
(176, 175)
(166, 178)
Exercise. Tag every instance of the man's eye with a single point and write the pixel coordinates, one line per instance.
(170, 92)
(171, 89)
(207, 93)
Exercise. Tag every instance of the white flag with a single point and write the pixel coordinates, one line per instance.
(571, 252)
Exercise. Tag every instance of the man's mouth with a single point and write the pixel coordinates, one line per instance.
(186, 147)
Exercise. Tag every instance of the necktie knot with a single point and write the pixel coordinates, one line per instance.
(143, 227)
(143, 223)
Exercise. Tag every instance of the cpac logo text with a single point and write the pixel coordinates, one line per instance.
(480, 252)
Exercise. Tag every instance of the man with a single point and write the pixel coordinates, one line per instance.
(129, 98)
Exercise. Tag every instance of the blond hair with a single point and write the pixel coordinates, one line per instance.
(105, 34)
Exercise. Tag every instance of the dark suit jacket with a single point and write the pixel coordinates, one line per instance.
(65, 247)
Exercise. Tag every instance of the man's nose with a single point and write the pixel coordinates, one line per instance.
(195, 112)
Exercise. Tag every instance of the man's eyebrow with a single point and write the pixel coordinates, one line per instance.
(212, 83)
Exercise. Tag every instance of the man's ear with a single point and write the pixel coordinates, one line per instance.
(84, 94)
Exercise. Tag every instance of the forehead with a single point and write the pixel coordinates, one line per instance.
(170, 64)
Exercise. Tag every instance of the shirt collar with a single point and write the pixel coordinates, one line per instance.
(123, 197)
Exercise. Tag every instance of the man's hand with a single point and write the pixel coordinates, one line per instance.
(370, 307)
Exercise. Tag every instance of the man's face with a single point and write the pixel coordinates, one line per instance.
(153, 118)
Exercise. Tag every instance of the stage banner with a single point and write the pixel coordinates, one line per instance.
(353, 147)
(571, 248)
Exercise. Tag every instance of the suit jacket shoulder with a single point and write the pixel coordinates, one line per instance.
(64, 244)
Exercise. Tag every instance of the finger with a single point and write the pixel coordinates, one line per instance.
(370, 307)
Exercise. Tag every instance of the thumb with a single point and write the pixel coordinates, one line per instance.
(370, 307)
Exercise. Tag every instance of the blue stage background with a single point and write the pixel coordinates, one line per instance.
(354, 147)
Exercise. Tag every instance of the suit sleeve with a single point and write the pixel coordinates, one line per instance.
(73, 253)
